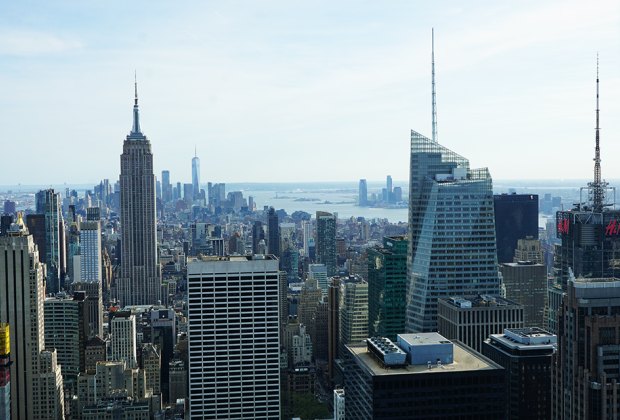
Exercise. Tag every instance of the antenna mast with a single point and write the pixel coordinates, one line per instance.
(597, 187)
(433, 83)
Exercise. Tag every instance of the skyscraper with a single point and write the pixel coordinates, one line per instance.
(451, 231)
(196, 175)
(363, 193)
(5, 371)
(166, 187)
(516, 217)
(139, 280)
(387, 287)
(452, 249)
(233, 334)
(273, 232)
(326, 241)
(48, 204)
(36, 381)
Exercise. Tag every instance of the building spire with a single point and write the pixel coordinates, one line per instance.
(433, 85)
(136, 114)
(597, 186)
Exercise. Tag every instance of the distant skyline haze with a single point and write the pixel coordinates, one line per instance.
(298, 92)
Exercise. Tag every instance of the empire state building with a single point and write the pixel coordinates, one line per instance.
(140, 275)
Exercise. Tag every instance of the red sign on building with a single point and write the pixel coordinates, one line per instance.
(563, 226)
(612, 228)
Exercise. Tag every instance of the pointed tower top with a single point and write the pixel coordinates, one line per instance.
(135, 83)
(135, 129)
(433, 85)
(597, 187)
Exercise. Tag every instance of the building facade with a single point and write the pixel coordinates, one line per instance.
(516, 217)
(234, 338)
(527, 355)
(448, 382)
(471, 320)
(526, 283)
(387, 287)
(140, 274)
(326, 241)
(452, 248)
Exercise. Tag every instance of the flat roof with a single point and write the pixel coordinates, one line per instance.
(421, 339)
(478, 301)
(526, 339)
(464, 361)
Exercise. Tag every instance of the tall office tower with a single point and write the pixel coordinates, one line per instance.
(326, 241)
(388, 188)
(63, 332)
(123, 338)
(306, 228)
(585, 372)
(140, 275)
(48, 204)
(318, 272)
(529, 249)
(516, 217)
(526, 283)
(196, 175)
(188, 194)
(387, 287)
(283, 298)
(91, 294)
(362, 193)
(5, 371)
(451, 231)
(166, 186)
(163, 335)
(258, 234)
(353, 312)
(90, 252)
(527, 356)
(233, 334)
(309, 298)
(9, 207)
(5, 223)
(422, 376)
(333, 321)
(320, 333)
(339, 409)
(452, 249)
(73, 249)
(36, 381)
(273, 232)
(472, 320)
(151, 364)
(589, 234)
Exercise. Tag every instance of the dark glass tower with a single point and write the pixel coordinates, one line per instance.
(516, 217)
(140, 276)
(452, 247)
(326, 241)
(387, 285)
(273, 232)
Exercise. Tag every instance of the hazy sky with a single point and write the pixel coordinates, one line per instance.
(302, 91)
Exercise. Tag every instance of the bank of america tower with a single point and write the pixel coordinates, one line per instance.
(452, 244)
(140, 276)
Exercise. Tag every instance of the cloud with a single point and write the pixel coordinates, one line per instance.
(28, 43)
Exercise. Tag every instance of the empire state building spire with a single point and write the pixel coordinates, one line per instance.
(135, 129)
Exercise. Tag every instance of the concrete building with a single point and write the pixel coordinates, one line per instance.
(36, 381)
(123, 338)
(529, 249)
(586, 374)
(318, 272)
(339, 407)
(151, 364)
(452, 248)
(234, 337)
(431, 377)
(177, 384)
(527, 355)
(526, 283)
(353, 312)
(140, 276)
(471, 320)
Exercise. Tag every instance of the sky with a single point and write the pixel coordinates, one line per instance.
(288, 91)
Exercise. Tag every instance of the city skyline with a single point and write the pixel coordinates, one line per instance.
(269, 79)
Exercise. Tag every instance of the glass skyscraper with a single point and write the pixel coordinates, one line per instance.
(452, 248)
